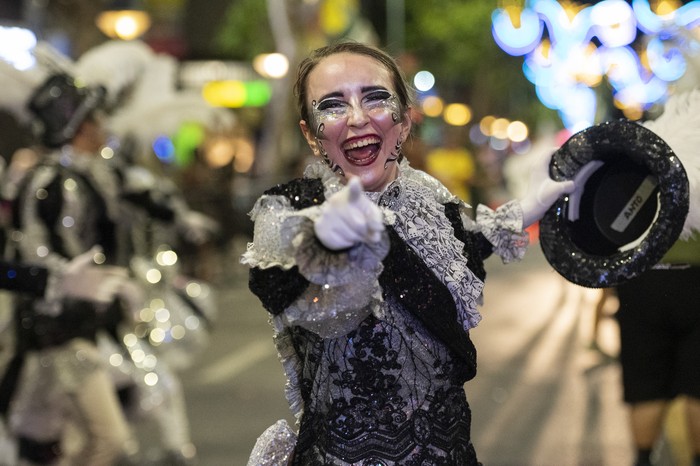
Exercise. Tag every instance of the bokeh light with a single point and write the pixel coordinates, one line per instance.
(457, 114)
(271, 65)
(424, 81)
(432, 106)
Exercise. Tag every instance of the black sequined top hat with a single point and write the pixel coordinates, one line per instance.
(60, 106)
(628, 209)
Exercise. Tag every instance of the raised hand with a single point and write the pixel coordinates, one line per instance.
(348, 217)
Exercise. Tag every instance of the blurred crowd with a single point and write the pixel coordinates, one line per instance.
(99, 311)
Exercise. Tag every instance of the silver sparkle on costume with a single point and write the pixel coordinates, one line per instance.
(275, 446)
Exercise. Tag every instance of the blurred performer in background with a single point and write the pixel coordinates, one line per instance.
(74, 199)
(659, 313)
(62, 213)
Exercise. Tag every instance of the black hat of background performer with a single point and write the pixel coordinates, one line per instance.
(61, 106)
(629, 211)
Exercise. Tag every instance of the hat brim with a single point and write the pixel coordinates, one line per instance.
(601, 142)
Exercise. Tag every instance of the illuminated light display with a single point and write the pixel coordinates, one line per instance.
(666, 62)
(584, 44)
(684, 17)
(517, 39)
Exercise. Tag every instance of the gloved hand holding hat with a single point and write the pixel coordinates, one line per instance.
(630, 204)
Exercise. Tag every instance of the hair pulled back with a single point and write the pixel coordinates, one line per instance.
(403, 90)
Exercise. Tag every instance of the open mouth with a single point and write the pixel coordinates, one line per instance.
(362, 151)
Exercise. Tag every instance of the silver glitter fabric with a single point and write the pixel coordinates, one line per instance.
(275, 446)
(375, 345)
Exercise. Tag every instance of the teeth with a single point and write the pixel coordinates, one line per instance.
(362, 143)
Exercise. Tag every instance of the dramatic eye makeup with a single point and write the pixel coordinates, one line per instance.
(333, 107)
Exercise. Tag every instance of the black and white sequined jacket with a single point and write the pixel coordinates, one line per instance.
(375, 340)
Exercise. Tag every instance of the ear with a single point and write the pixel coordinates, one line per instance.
(309, 136)
(406, 125)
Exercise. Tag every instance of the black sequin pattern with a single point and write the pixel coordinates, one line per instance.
(302, 192)
(600, 142)
(363, 407)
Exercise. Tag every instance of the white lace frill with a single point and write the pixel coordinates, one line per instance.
(266, 251)
(503, 229)
(344, 285)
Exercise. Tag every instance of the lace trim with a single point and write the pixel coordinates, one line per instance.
(267, 250)
(503, 229)
(291, 366)
(422, 223)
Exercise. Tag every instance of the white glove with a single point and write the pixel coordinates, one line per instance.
(82, 279)
(348, 217)
(542, 191)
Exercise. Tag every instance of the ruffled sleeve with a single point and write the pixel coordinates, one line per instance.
(343, 287)
(503, 229)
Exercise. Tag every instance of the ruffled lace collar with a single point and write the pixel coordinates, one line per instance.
(417, 200)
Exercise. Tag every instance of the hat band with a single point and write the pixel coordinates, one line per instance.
(635, 204)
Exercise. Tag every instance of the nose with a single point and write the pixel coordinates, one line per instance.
(358, 116)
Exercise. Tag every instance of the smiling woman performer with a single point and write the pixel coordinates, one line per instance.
(372, 294)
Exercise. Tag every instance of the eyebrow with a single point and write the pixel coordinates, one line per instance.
(363, 90)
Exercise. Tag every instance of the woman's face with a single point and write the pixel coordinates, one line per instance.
(357, 121)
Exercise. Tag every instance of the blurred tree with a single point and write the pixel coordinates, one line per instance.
(245, 31)
(452, 39)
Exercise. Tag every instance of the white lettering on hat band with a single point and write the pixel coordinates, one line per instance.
(634, 205)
